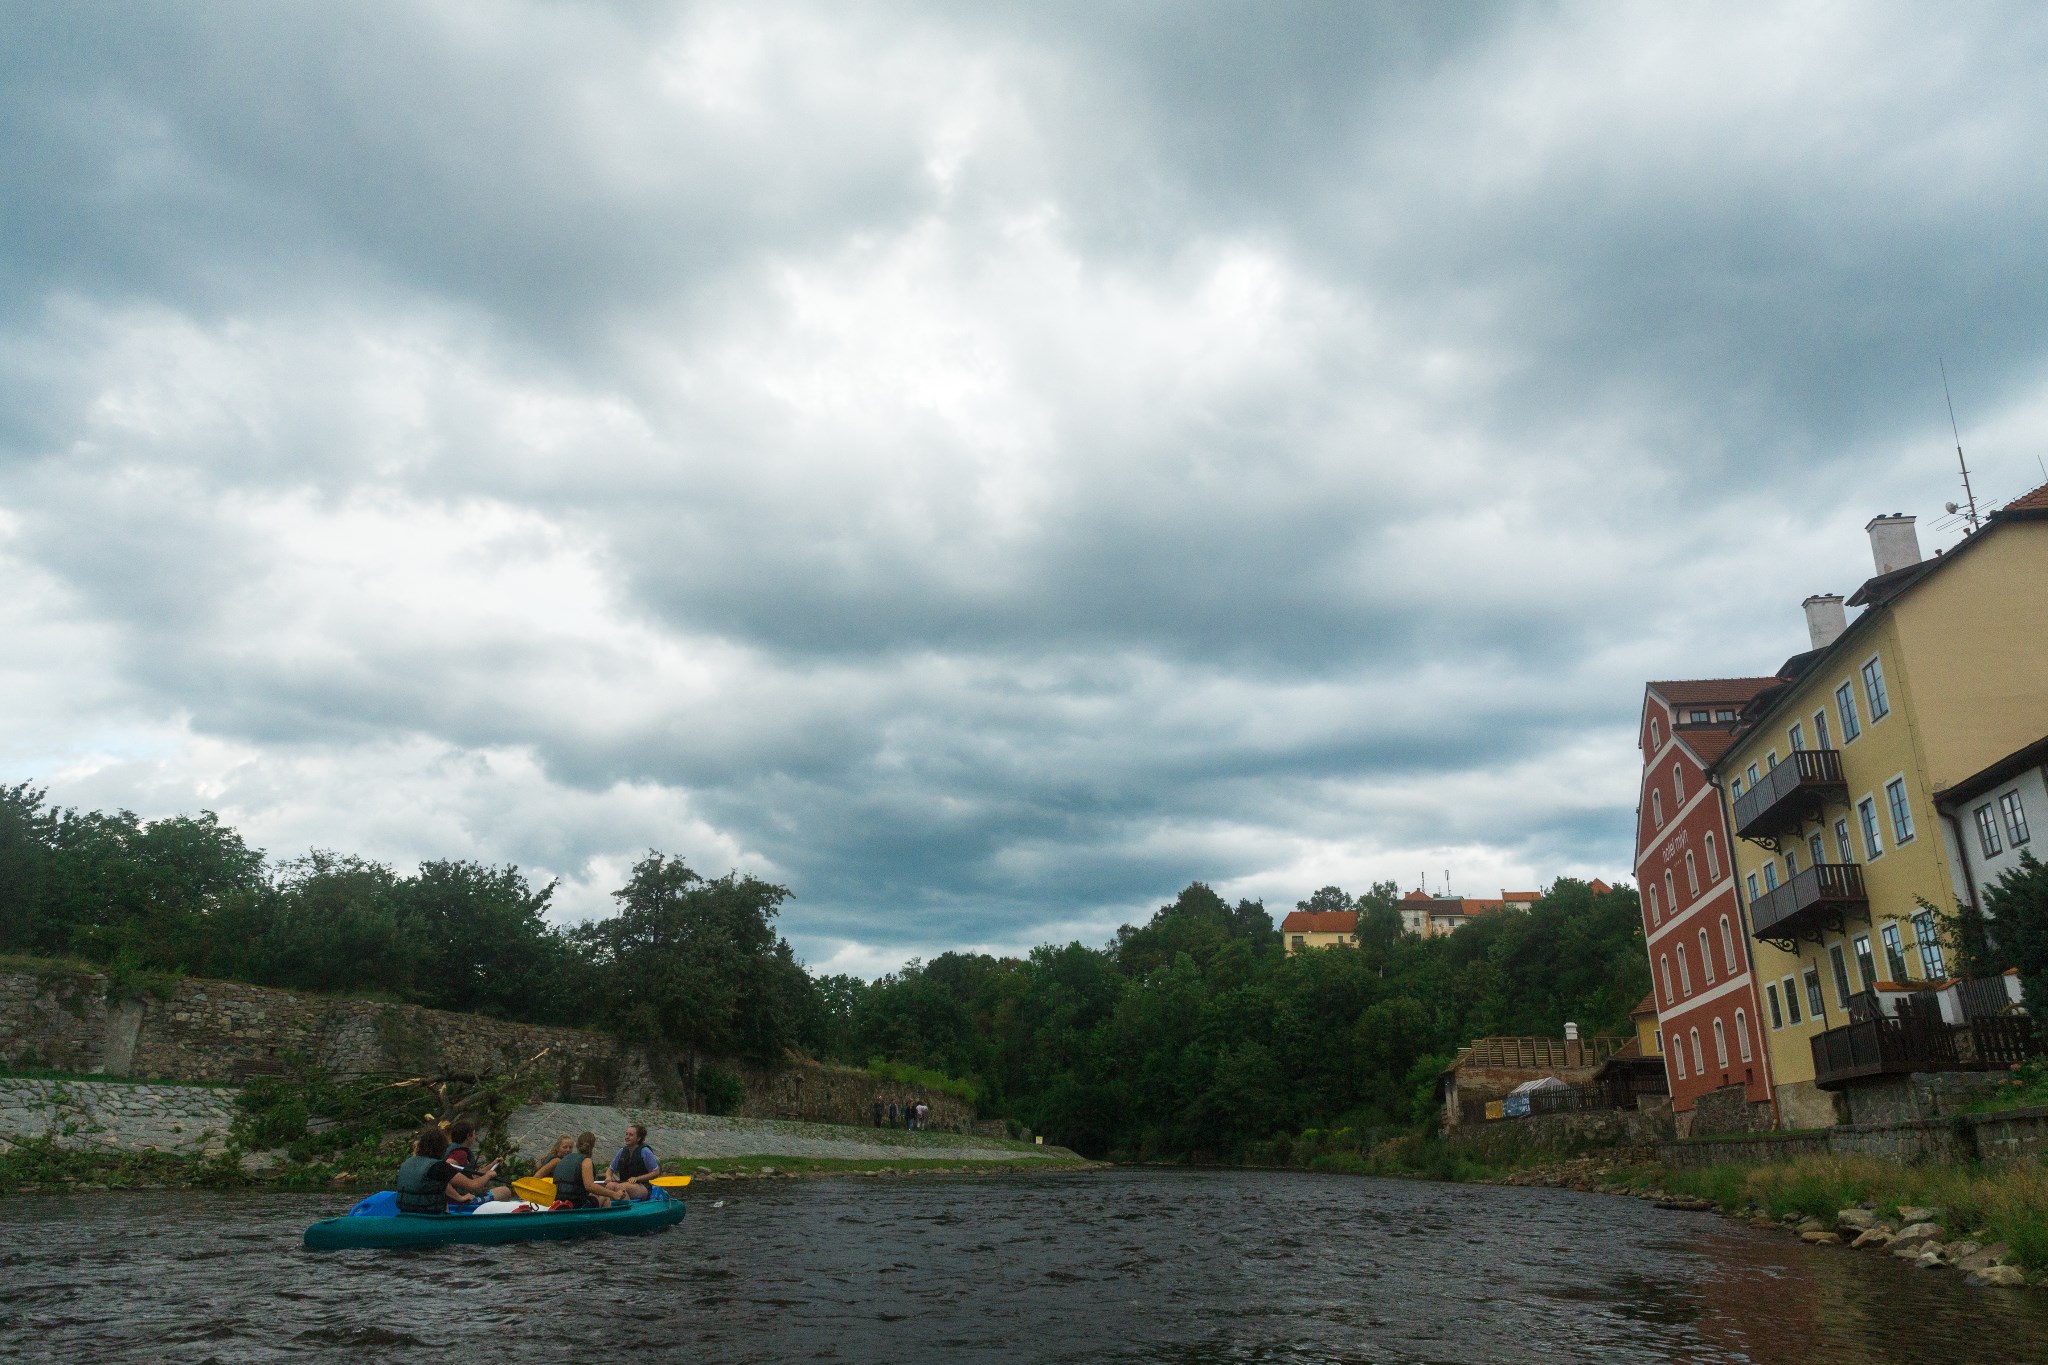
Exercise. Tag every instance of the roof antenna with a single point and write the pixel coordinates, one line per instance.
(1968, 496)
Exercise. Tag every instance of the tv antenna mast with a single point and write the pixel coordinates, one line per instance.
(1968, 496)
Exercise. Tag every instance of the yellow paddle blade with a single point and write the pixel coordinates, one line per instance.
(541, 1191)
(670, 1182)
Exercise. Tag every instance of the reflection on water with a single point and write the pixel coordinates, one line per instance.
(1116, 1266)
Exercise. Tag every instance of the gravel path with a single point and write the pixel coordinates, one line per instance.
(679, 1138)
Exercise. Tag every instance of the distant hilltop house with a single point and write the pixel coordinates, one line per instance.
(1422, 915)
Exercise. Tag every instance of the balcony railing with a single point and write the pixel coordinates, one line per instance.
(1897, 1047)
(1822, 897)
(1791, 793)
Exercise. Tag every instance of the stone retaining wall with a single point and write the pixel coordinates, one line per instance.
(1995, 1139)
(59, 1018)
(1568, 1132)
(117, 1117)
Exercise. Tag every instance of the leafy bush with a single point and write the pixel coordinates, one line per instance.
(721, 1091)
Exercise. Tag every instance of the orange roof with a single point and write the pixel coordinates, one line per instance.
(1598, 887)
(2029, 502)
(1646, 1005)
(1521, 895)
(1418, 896)
(1320, 922)
(1708, 744)
(1691, 691)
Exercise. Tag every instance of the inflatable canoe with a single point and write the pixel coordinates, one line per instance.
(442, 1229)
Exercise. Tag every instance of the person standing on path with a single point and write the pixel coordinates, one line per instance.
(878, 1111)
(892, 1113)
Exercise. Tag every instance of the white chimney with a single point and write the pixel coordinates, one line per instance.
(1825, 619)
(1894, 544)
(1571, 1032)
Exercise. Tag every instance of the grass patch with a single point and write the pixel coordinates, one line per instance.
(2006, 1204)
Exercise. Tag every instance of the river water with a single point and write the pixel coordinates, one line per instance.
(1124, 1265)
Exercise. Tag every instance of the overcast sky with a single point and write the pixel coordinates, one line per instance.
(980, 466)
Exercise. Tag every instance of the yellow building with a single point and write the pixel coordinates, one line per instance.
(1649, 1037)
(1303, 929)
(1831, 784)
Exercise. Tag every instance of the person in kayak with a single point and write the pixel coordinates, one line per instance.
(427, 1183)
(546, 1170)
(579, 1183)
(635, 1164)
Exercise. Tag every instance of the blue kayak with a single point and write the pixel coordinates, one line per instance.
(443, 1229)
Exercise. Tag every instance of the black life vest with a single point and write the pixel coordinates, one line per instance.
(569, 1179)
(418, 1191)
(632, 1161)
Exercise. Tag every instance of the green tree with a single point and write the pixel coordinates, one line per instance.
(2016, 920)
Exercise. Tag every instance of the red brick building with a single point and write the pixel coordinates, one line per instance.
(1713, 1037)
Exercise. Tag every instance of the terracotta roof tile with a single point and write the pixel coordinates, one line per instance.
(1709, 744)
(1688, 691)
(1320, 922)
(2035, 501)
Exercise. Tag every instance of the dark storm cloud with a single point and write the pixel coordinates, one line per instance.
(983, 467)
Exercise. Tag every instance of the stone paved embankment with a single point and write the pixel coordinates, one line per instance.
(127, 1118)
(679, 1139)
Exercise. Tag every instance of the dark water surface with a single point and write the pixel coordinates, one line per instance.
(1112, 1266)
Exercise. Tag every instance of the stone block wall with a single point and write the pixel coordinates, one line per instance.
(53, 1018)
(832, 1094)
(117, 1116)
(60, 1019)
(1922, 1095)
(1727, 1110)
(2018, 1135)
(1565, 1133)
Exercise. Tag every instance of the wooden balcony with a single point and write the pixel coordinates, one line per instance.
(1898, 1047)
(1822, 897)
(1789, 795)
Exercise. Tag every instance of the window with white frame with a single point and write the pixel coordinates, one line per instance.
(1791, 864)
(1894, 951)
(1692, 875)
(1845, 705)
(1873, 842)
(1842, 840)
(1720, 1044)
(1865, 967)
(2015, 816)
(1902, 814)
(1987, 831)
(1817, 848)
(1931, 960)
(1670, 893)
(1771, 998)
(1770, 876)
(1797, 735)
(1713, 860)
(1742, 1034)
(1684, 972)
(1727, 946)
(1678, 783)
(1657, 807)
(1706, 959)
(1656, 917)
(1656, 737)
(1664, 965)
(1724, 714)
(1820, 727)
(1698, 718)
(1750, 881)
(1791, 990)
(1678, 1058)
(1754, 775)
(1873, 690)
(1815, 1007)
(1735, 790)
(1699, 1059)
(1771, 761)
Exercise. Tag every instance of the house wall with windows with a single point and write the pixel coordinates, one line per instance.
(1702, 989)
(1944, 671)
(1305, 929)
(1991, 819)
